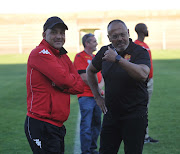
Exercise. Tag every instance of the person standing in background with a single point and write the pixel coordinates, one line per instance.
(142, 32)
(90, 112)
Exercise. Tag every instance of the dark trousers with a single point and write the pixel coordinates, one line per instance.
(44, 138)
(130, 131)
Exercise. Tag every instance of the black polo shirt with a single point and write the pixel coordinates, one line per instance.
(125, 97)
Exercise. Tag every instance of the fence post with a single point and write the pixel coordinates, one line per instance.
(164, 40)
(20, 43)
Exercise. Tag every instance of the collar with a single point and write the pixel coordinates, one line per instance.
(55, 51)
(127, 50)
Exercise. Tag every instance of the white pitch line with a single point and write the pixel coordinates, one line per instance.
(77, 145)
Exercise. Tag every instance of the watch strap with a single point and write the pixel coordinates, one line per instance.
(118, 57)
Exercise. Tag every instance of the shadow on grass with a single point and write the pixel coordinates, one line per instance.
(163, 113)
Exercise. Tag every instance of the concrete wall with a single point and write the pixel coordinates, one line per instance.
(21, 33)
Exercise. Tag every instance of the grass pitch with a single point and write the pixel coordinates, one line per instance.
(163, 112)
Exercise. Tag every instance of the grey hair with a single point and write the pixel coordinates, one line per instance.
(86, 38)
(116, 21)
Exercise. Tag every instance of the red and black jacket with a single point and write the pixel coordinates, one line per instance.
(51, 78)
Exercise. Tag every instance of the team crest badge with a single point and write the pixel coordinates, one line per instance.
(127, 57)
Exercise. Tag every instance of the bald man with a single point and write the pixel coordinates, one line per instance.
(125, 67)
(142, 32)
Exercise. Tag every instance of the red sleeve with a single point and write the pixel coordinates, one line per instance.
(78, 88)
(48, 65)
(79, 63)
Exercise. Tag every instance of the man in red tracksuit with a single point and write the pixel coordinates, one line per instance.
(142, 32)
(51, 78)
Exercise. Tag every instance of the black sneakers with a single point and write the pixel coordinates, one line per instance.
(150, 140)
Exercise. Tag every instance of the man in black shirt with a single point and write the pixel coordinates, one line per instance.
(125, 67)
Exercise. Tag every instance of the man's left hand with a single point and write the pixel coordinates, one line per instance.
(110, 55)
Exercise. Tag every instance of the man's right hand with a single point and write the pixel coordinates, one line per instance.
(101, 103)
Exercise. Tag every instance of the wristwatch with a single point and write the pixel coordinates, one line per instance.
(118, 57)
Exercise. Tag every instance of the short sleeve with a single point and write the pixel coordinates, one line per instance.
(97, 60)
(79, 63)
(143, 57)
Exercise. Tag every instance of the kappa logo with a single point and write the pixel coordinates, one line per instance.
(45, 52)
(38, 142)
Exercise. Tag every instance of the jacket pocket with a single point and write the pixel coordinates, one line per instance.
(41, 104)
(60, 106)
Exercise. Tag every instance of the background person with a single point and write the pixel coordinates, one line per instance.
(125, 67)
(142, 32)
(90, 112)
(51, 78)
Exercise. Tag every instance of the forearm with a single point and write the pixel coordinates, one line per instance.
(93, 84)
(78, 86)
(77, 89)
(92, 81)
(137, 71)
